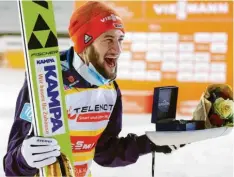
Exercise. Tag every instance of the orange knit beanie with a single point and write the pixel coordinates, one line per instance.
(91, 20)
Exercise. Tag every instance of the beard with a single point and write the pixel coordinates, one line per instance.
(99, 64)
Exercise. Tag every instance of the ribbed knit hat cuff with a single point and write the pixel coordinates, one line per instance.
(88, 32)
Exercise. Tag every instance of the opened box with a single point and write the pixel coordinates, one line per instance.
(164, 112)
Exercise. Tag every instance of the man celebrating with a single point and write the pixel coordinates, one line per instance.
(89, 70)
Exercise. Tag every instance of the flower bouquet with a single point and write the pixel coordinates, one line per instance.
(216, 106)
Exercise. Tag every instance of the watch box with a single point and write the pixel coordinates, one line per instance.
(164, 111)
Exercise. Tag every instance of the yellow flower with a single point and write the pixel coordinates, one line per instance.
(224, 108)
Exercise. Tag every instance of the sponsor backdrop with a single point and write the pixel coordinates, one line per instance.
(187, 44)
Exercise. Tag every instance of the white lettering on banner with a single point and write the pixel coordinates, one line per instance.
(138, 65)
(218, 48)
(125, 55)
(139, 75)
(154, 46)
(170, 37)
(169, 47)
(186, 56)
(139, 47)
(124, 64)
(128, 36)
(169, 56)
(183, 8)
(202, 67)
(152, 36)
(125, 11)
(139, 37)
(186, 66)
(124, 74)
(154, 75)
(218, 67)
(202, 57)
(201, 77)
(186, 47)
(153, 56)
(170, 52)
(219, 37)
(217, 77)
(169, 66)
(202, 37)
(185, 77)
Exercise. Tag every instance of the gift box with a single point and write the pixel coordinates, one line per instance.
(180, 125)
(164, 112)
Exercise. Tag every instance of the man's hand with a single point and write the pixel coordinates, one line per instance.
(39, 152)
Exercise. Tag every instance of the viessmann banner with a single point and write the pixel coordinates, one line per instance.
(182, 43)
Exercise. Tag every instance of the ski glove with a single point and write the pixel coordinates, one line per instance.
(166, 149)
(39, 151)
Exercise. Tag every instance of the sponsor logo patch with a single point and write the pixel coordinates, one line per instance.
(87, 38)
(50, 96)
(26, 113)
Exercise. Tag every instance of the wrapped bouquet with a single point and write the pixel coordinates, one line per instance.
(216, 106)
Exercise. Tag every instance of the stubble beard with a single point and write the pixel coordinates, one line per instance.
(99, 64)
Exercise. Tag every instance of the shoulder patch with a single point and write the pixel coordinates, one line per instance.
(65, 65)
(26, 113)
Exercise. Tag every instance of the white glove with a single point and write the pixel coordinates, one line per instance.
(39, 151)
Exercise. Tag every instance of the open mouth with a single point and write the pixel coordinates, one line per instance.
(111, 62)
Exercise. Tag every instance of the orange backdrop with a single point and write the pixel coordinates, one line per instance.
(187, 44)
